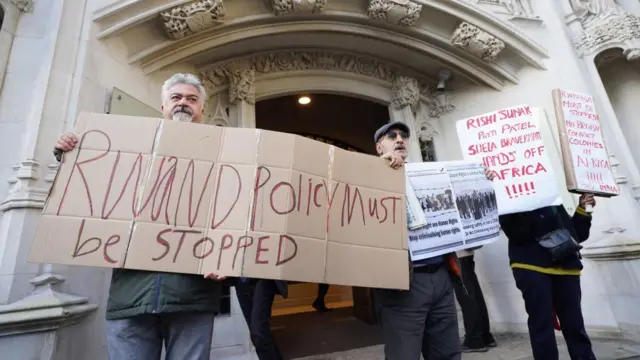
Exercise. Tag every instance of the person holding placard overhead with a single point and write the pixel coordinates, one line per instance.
(544, 247)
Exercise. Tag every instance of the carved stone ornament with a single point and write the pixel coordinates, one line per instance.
(24, 5)
(242, 84)
(614, 245)
(45, 309)
(24, 192)
(221, 75)
(617, 29)
(516, 9)
(192, 18)
(404, 92)
(397, 12)
(477, 42)
(219, 115)
(438, 103)
(281, 7)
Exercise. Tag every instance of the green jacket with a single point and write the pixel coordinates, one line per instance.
(135, 292)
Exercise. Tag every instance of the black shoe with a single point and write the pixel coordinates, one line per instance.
(320, 307)
(490, 342)
(466, 349)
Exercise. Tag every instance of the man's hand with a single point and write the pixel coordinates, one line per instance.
(395, 161)
(67, 142)
(586, 200)
(491, 175)
(215, 277)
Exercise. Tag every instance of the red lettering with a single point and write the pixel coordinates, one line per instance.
(113, 240)
(481, 121)
(190, 172)
(224, 246)
(258, 186)
(350, 206)
(196, 248)
(167, 179)
(183, 234)
(260, 249)
(293, 197)
(295, 250)
(215, 224)
(373, 209)
(137, 167)
(78, 166)
(241, 245)
(162, 241)
(77, 252)
(394, 199)
(481, 148)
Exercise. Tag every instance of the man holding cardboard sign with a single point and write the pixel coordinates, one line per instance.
(422, 320)
(145, 308)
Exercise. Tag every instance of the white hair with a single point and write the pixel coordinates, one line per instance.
(188, 79)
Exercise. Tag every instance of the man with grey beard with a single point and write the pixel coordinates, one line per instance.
(146, 309)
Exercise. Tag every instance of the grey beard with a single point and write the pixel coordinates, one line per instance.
(183, 117)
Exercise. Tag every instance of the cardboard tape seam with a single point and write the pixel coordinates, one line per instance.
(143, 186)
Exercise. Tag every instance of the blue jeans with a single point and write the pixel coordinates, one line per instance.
(186, 336)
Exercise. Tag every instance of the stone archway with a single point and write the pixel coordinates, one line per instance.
(238, 83)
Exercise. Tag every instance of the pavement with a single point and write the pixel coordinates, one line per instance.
(510, 347)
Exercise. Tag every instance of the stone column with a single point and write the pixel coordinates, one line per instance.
(404, 99)
(242, 111)
(34, 303)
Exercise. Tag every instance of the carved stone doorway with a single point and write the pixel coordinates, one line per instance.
(348, 123)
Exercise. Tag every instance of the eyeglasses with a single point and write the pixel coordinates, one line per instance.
(392, 135)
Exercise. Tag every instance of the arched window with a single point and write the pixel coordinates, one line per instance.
(428, 150)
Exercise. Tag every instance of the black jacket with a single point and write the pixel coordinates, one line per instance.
(524, 229)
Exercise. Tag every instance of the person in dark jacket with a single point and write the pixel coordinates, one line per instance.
(256, 299)
(547, 285)
(145, 308)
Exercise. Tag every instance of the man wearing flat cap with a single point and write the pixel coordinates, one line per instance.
(421, 320)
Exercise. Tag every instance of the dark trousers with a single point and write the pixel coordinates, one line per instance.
(422, 320)
(256, 299)
(542, 293)
(323, 289)
(473, 306)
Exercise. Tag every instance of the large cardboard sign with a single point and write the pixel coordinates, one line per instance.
(159, 195)
(509, 141)
(459, 204)
(586, 161)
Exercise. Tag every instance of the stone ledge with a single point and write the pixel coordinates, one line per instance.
(614, 245)
(44, 310)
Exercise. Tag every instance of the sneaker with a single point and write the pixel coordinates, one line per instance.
(466, 349)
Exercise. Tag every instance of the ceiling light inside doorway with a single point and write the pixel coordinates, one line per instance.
(304, 100)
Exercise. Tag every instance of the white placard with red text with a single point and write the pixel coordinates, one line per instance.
(509, 141)
(585, 154)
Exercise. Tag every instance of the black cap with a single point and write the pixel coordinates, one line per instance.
(395, 124)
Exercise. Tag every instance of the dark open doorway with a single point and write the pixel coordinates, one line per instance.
(299, 330)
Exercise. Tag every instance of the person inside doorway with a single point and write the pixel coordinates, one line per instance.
(320, 304)
(147, 309)
(424, 319)
(549, 277)
(478, 337)
(256, 300)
